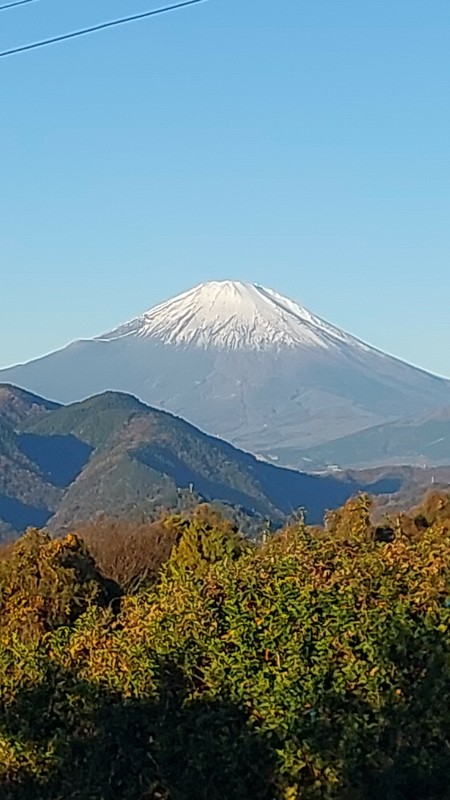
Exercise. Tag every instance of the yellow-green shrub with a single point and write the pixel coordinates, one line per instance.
(47, 582)
(315, 667)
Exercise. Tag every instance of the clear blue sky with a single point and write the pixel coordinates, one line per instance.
(304, 145)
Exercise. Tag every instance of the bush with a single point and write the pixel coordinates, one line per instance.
(47, 582)
(204, 539)
(128, 552)
(315, 667)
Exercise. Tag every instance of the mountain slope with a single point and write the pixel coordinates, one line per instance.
(26, 497)
(246, 364)
(112, 454)
(17, 405)
(420, 441)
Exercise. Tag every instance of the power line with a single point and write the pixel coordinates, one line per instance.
(96, 28)
(16, 3)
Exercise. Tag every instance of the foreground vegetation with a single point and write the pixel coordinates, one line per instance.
(185, 663)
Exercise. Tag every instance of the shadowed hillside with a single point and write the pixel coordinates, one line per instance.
(113, 454)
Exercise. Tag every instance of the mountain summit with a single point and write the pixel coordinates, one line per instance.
(244, 363)
(233, 315)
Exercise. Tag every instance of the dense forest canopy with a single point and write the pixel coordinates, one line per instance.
(177, 660)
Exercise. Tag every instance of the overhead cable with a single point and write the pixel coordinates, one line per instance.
(16, 3)
(85, 31)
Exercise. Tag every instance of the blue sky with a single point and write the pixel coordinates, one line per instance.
(303, 145)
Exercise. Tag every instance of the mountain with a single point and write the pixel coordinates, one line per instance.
(244, 363)
(113, 454)
(17, 405)
(421, 441)
(26, 497)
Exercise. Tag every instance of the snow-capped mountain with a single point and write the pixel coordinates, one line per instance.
(245, 363)
(233, 315)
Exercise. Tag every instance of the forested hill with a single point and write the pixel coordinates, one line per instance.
(61, 465)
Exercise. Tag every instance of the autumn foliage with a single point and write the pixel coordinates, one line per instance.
(315, 666)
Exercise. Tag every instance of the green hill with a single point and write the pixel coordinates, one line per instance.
(113, 454)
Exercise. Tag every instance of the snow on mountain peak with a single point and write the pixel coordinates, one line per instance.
(233, 315)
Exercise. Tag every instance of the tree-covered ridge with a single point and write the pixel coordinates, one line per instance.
(63, 465)
(313, 666)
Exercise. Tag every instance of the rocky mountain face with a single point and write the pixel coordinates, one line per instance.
(111, 454)
(244, 363)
